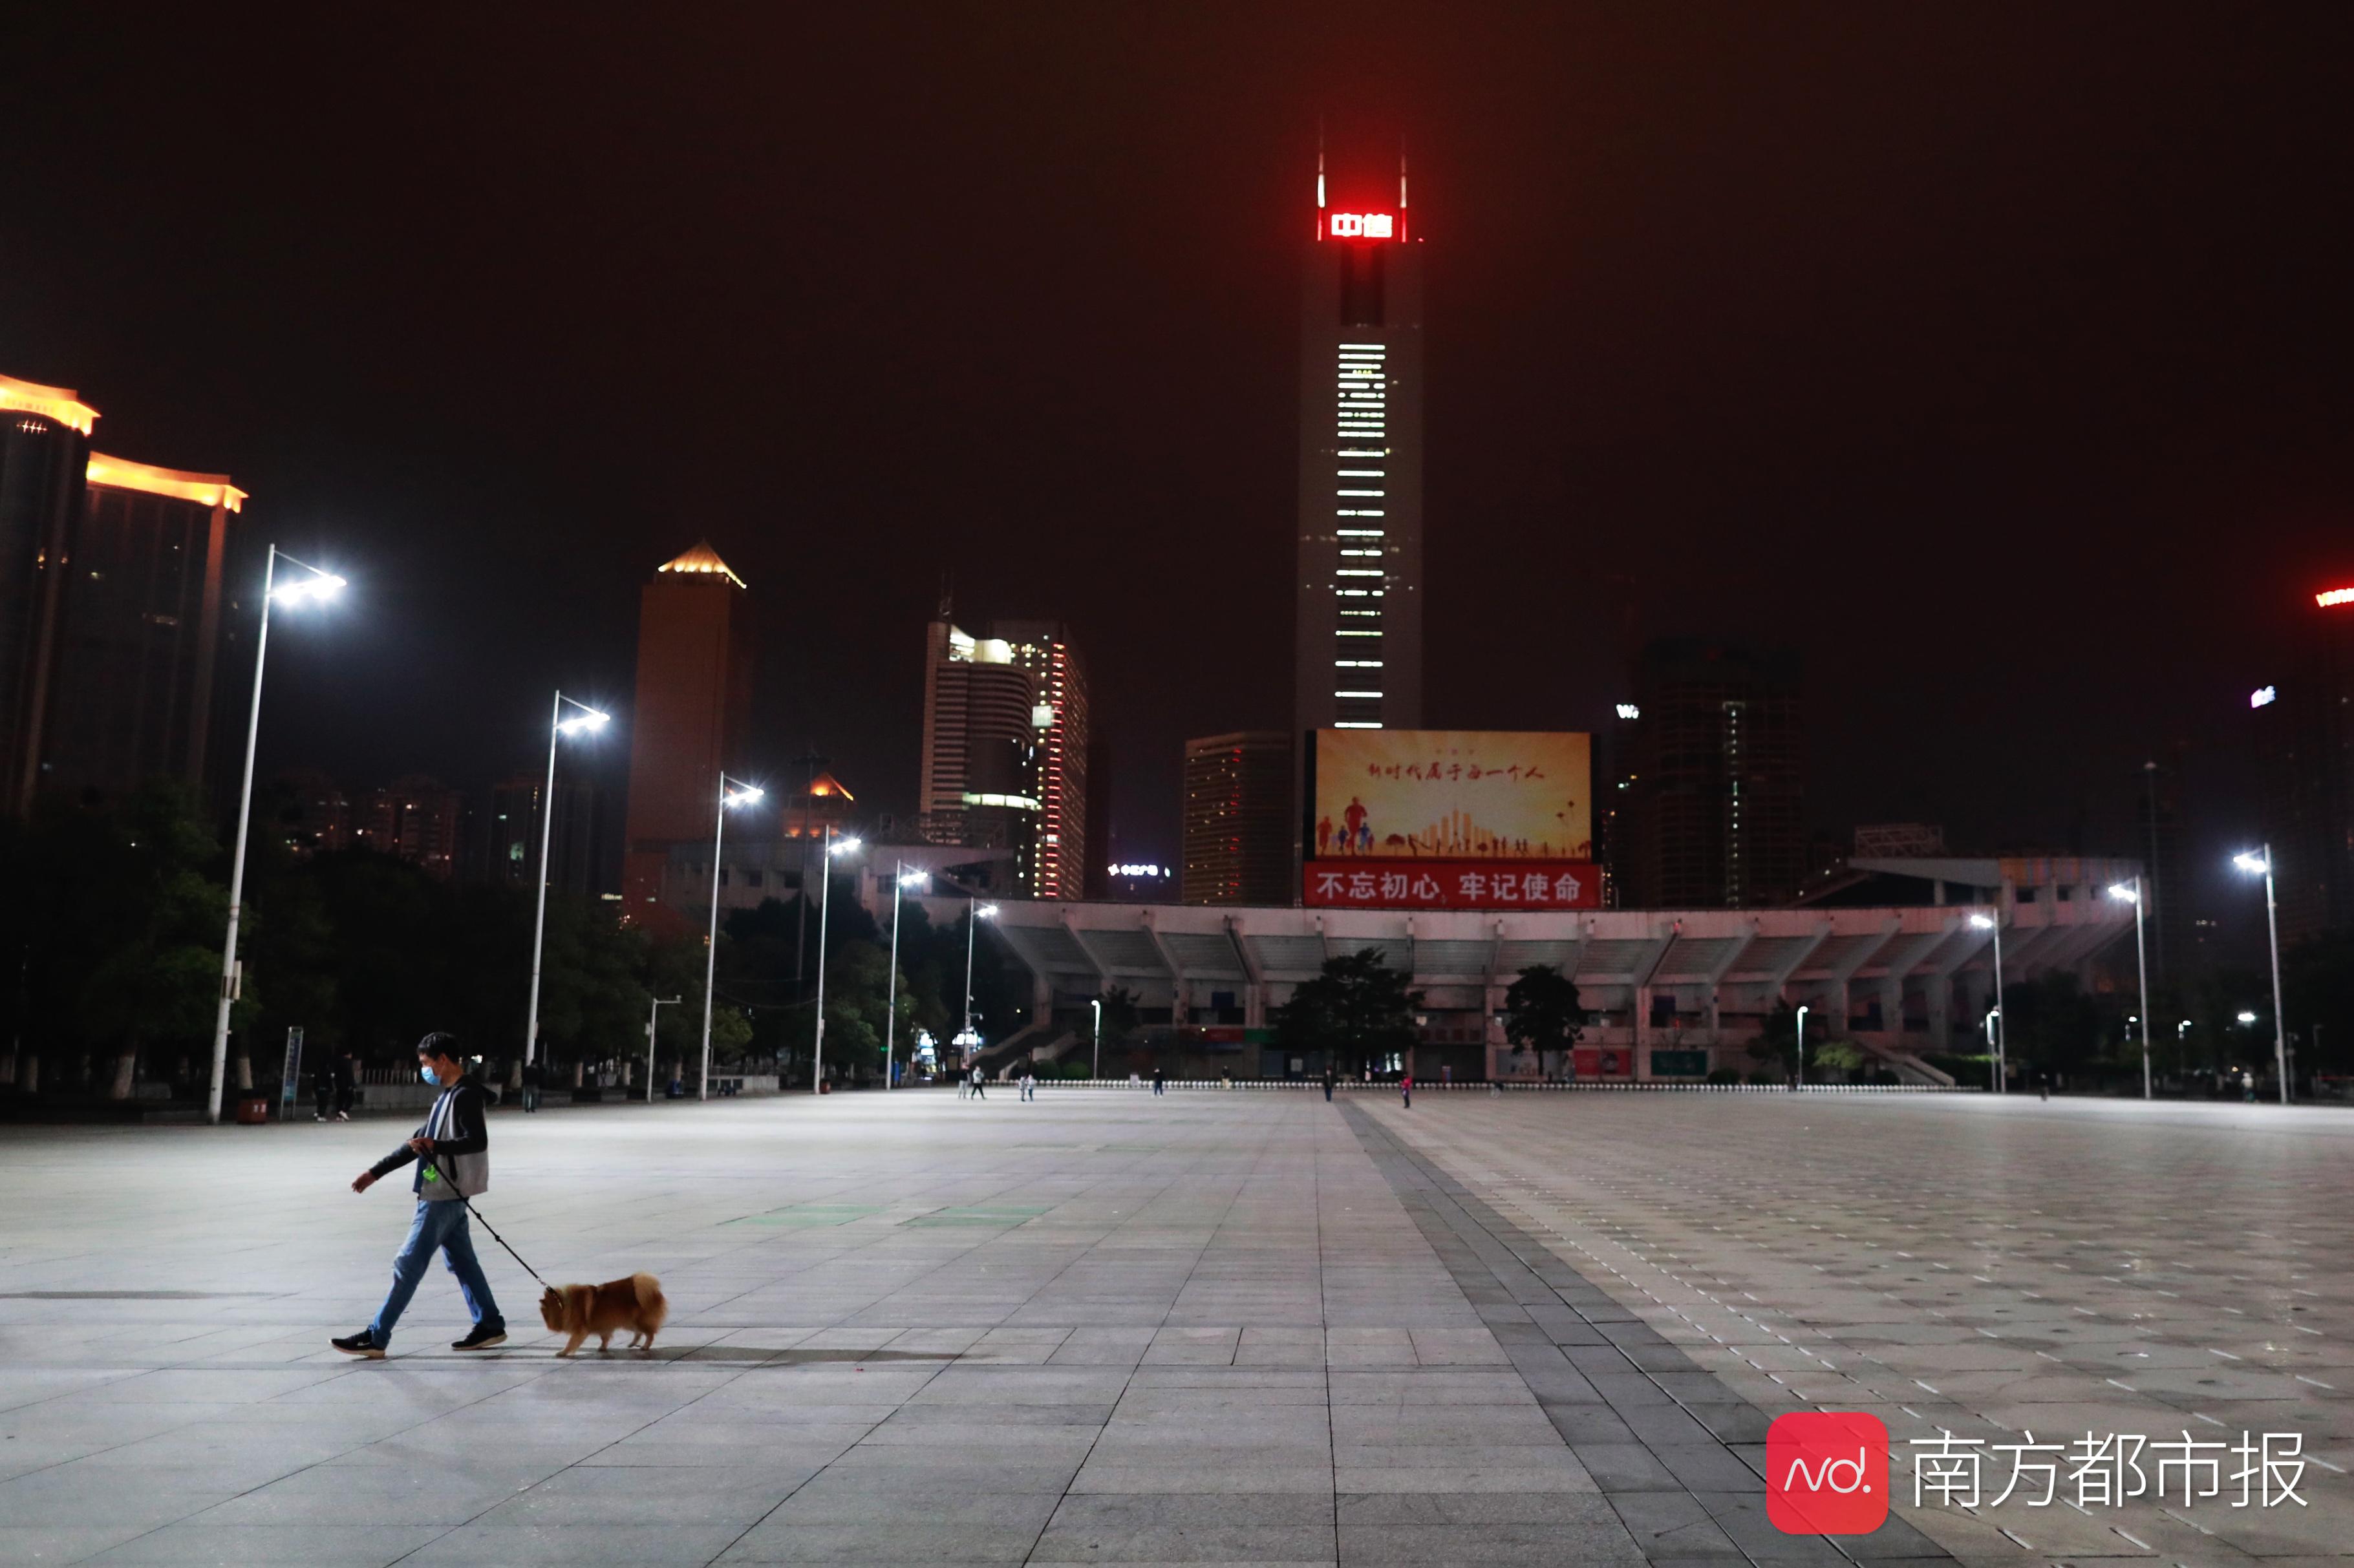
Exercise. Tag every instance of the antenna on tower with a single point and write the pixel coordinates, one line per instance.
(1401, 174)
(1319, 162)
(947, 597)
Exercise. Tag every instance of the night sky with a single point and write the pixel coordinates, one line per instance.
(1997, 357)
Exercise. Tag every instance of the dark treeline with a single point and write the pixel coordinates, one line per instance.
(110, 935)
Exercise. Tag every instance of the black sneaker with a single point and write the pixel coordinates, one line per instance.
(362, 1344)
(485, 1336)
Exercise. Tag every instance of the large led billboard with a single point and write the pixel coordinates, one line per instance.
(1451, 819)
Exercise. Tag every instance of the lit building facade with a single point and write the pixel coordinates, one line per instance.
(123, 628)
(1008, 750)
(688, 723)
(44, 463)
(1238, 820)
(1065, 752)
(1358, 617)
(155, 638)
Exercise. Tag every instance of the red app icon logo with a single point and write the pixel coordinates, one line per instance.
(1827, 1473)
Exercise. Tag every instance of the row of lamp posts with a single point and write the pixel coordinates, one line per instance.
(319, 584)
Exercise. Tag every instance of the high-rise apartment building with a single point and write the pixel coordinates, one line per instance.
(1709, 781)
(2304, 726)
(156, 636)
(416, 819)
(693, 706)
(1359, 627)
(1238, 820)
(508, 834)
(1007, 749)
(44, 465)
(1059, 714)
(122, 617)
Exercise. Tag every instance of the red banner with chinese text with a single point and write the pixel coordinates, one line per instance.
(1453, 884)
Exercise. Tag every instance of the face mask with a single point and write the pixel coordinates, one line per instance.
(426, 1074)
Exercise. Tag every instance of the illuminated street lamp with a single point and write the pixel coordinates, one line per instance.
(905, 877)
(1096, 1071)
(1999, 1021)
(1803, 1010)
(743, 795)
(653, 1020)
(975, 913)
(587, 719)
(319, 585)
(2263, 863)
(2131, 892)
(825, 907)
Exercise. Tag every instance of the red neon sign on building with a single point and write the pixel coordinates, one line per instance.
(1363, 225)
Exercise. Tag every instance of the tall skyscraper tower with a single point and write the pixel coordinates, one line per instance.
(1359, 653)
(1007, 749)
(694, 701)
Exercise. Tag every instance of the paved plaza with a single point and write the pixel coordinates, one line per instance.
(1214, 1326)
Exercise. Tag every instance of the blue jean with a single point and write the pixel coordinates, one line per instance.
(439, 1226)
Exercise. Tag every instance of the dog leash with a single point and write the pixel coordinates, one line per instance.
(433, 1173)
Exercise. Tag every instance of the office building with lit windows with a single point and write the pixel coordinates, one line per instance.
(1007, 749)
(1238, 820)
(1359, 628)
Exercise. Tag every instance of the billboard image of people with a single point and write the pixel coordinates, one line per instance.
(1452, 794)
(1451, 819)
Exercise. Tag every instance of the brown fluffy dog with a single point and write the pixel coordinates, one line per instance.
(580, 1310)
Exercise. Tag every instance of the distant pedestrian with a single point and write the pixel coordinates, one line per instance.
(1157, 1084)
(534, 1077)
(323, 1089)
(1405, 1088)
(1446, 1074)
(452, 1153)
(964, 1084)
(1328, 1086)
(1029, 1084)
(980, 1085)
(348, 1083)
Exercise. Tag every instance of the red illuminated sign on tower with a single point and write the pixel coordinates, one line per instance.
(1363, 225)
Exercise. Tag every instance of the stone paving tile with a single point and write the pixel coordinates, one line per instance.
(1210, 1328)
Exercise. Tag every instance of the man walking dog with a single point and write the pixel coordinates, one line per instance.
(454, 1153)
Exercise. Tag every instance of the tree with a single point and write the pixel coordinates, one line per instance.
(1542, 1013)
(1358, 1007)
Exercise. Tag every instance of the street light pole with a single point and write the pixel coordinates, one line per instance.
(746, 793)
(824, 909)
(653, 1020)
(557, 724)
(318, 584)
(975, 913)
(2134, 893)
(1094, 1070)
(901, 879)
(2272, 929)
(1803, 1010)
(1998, 1039)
